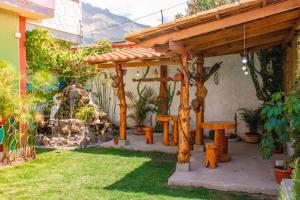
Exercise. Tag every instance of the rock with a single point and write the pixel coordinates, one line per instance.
(66, 130)
(75, 129)
(46, 141)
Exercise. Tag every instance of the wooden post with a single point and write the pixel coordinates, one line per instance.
(166, 133)
(163, 88)
(184, 114)
(200, 112)
(123, 106)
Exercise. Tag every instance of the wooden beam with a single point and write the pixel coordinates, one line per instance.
(250, 43)
(184, 114)
(141, 64)
(163, 89)
(150, 79)
(289, 38)
(257, 25)
(239, 35)
(122, 99)
(222, 23)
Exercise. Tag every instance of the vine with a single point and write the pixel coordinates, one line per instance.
(270, 73)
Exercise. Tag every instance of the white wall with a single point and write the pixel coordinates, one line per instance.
(65, 24)
(235, 90)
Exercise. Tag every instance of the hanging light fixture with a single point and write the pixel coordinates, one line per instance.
(244, 68)
(138, 73)
(244, 59)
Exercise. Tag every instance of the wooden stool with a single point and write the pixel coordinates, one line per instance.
(148, 135)
(211, 158)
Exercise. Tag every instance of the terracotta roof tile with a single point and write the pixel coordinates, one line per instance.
(126, 54)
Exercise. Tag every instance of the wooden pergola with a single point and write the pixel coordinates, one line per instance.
(220, 31)
(134, 57)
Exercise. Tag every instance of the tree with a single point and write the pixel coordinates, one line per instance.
(195, 6)
(49, 54)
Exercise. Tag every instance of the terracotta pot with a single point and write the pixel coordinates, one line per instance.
(178, 76)
(138, 130)
(252, 137)
(281, 173)
(116, 141)
(278, 150)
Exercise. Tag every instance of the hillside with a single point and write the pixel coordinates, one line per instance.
(99, 24)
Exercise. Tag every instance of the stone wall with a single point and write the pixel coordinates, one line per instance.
(234, 90)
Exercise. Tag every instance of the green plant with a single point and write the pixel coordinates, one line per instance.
(296, 179)
(142, 105)
(116, 134)
(251, 117)
(282, 118)
(48, 54)
(106, 97)
(269, 78)
(85, 113)
(16, 111)
(195, 6)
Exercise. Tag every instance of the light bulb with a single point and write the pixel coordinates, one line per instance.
(244, 60)
(246, 72)
(137, 73)
(244, 68)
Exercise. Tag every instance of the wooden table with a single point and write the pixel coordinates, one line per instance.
(219, 128)
(165, 120)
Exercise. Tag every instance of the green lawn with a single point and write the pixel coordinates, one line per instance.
(99, 174)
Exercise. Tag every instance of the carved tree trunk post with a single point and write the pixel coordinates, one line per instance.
(123, 106)
(184, 114)
(200, 113)
(163, 88)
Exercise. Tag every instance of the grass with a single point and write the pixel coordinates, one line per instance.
(99, 174)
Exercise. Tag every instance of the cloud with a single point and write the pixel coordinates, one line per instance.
(137, 8)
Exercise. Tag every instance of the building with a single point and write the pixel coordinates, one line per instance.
(66, 23)
(13, 17)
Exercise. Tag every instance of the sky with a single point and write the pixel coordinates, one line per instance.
(134, 9)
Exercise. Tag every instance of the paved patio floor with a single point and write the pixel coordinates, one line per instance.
(246, 172)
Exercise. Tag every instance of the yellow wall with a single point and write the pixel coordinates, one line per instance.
(9, 44)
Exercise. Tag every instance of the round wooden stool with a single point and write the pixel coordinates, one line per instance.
(148, 135)
(211, 158)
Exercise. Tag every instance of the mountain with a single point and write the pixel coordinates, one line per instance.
(100, 24)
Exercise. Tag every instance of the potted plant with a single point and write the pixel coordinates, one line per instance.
(140, 107)
(234, 136)
(252, 119)
(281, 116)
(116, 137)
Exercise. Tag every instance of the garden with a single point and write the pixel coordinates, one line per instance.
(69, 137)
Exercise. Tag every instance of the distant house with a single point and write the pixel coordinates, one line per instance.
(13, 17)
(66, 23)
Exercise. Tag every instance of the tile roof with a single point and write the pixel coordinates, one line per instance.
(126, 54)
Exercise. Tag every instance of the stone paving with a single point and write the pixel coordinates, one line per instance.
(246, 172)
